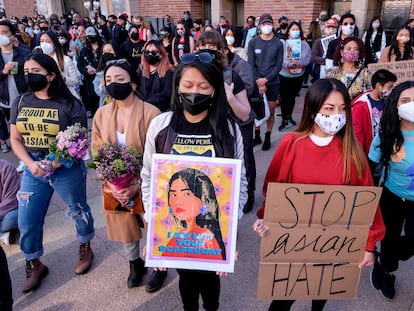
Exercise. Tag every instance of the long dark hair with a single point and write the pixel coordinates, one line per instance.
(218, 114)
(376, 44)
(408, 51)
(187, 36)
(57, 87)
(58, 48)
(390, 132)
(202, 187)
(315, 97)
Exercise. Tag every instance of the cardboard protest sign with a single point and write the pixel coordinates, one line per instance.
(193, 220)
(316, 239)
(404, 70)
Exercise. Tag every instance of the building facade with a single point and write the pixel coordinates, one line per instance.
(392, 12)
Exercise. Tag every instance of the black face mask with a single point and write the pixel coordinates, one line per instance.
(119, 91)
(36, 81)
(135, 36)
(210, 51)
(152, 59)
(92, 39)
(44, 28)
(108, 56)
(112, 24)
(195, 103)
(283, 25)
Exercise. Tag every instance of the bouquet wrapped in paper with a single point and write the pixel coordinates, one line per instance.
(118, 164)
(69, 146)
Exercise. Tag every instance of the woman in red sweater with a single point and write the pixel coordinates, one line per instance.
(323, 150)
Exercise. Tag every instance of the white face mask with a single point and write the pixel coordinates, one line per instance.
(348, 30)
(331, 124)
(267, 29)
(36, 31)
(375, 25)
(294, 34)
(62, 41)
(406, 111)
(47, 48)
(4, 40)
(230, 40)
(404, 39)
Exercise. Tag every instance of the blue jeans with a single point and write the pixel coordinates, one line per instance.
(9, 221)
(34, 198)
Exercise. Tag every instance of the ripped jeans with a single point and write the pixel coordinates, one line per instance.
(34, 198)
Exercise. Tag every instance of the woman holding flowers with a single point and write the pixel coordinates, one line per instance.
(36, 119)
(122, 122)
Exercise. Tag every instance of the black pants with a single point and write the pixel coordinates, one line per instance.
(397, 214)
(194, 283)
(4, 128)
(289, 88)
(249, 161)
(6, 298)
(284, 305)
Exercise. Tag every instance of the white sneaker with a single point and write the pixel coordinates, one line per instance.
(5, 238)
(4, 148)
(20, 167)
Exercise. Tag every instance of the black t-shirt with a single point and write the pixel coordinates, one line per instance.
(192, 139)
(40, 120)
(132, 52)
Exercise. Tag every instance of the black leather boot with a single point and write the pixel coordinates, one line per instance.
(137, 270)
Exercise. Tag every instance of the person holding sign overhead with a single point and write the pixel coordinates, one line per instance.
(199, 125)
(394, 148)
(323, 150)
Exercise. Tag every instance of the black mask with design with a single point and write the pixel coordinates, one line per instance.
(119, 91)
(284, 25)
(152, 59)
(196, 103)
(35, 81)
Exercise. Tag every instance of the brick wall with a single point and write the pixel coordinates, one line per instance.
(306, 11)
(19, 7)
(173, 8)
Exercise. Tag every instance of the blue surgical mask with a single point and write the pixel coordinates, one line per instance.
(295, 34)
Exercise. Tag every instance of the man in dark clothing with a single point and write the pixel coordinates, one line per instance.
(265, 55)
(187, 21)
(131, 49)
(119, 33)
(281, 32)
(103, 30)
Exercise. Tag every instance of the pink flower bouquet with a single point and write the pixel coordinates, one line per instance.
(118, 164)
(70, 145)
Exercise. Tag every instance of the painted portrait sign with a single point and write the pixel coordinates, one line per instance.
(194, 212)
(316, 239)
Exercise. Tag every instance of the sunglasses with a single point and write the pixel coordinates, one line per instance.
(116, 62)
(151, 53)
(346, 24)
(203, 57)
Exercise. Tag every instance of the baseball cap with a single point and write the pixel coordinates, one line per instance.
(283, 17)
(265, 18)
(331, 23)
(90, 31)
(123, 17)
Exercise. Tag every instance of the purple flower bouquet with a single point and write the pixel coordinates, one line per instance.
(118, 164)
(70, 145)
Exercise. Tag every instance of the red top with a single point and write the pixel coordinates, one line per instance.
(299, 160)
(362, 120)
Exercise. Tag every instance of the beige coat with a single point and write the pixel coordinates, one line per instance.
(122, 226)
(384, 55)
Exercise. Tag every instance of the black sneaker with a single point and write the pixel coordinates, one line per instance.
(266, 143)
(377, 273)
(155, 281)
(284, 125)
(387, 289)
(291, 122)
(249, 204)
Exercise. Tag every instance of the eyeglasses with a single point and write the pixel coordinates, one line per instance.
(152, 53)
(116, 62)
(203, 57)
(346, 24)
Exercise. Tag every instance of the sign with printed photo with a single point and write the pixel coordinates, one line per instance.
(193, 220)
(293, 48)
